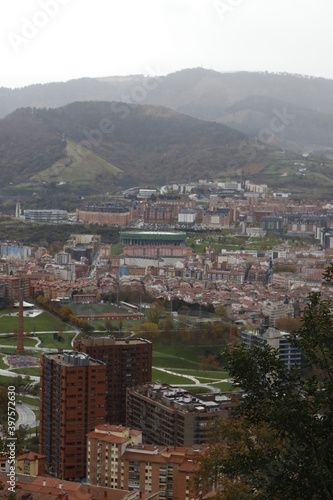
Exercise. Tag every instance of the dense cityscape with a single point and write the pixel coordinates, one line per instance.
(166, 250)
(200, 264)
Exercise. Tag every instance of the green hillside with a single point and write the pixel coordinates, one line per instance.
(80, 167)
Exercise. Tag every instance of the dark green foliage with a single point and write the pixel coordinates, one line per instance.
(27, 146)
(48, 234)
(279, 443)
(148, 143)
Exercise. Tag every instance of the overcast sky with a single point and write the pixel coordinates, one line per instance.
(57, 40)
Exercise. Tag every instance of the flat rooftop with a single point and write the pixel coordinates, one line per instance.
(73, 358)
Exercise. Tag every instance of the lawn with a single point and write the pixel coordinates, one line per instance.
(43, 322)
(11, 351)
(202, 374)
(3, 365)
(6, 381)
(116, 249)
(96, 308)
(226, 387)
(48, 341)
(13, 341)
(164, 360)
(181, 356)
(126, 324)
(28, 370)
(29, 401)
(167, 378)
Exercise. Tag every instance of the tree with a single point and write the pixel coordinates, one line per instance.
(87, 327)
(209, 362)
(149, 331)
(155, 311)
(221, 311)
(108, 325)
(288, 324)
(278, 444)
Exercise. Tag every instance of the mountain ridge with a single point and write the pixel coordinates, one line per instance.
(139, 143)
(204, 94)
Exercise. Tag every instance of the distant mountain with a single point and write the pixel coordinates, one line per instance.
(244, 100)
(99, 146)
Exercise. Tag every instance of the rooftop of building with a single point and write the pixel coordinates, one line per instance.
(117, 429)
(180, 399)
(153, 235)
(109, 340)
(30, 455)
(73, 358)
(270, 333)
(51, 488)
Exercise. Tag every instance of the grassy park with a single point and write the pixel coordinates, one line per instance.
(181, 356)
(44, 322)
(46, 340)
(178, 362)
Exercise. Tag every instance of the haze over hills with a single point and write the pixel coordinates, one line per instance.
(100, 146)
(200, 124)
(244, 100)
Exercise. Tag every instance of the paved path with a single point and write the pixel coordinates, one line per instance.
(8, 373)
(25, 415)
(190, 377)
(196, 381)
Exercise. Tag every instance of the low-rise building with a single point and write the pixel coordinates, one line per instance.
(30, 463)
(172, 416)
(109, 214)
(55, 216)
(273, 310)
(116, 458)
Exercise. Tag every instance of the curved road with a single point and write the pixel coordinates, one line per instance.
(25, 415)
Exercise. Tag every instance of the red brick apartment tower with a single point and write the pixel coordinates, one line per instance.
(129, 364)
(72, 403)
(20, 335)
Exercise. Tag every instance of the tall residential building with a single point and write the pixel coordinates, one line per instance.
(116, 458)
(290, 355)
(72, 403)
(129, 364)
(172, 416)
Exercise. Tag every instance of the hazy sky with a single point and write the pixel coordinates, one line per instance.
(57, 40)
